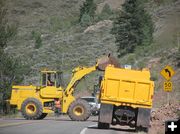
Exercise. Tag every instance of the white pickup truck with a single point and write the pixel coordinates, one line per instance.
(93, 102)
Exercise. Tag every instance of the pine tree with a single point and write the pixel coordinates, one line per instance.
(11, 70)
(87, 9)
(133, 27)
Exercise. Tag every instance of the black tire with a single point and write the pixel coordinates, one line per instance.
(103, 125)
(42, 116)
(84, 110)
(33, 114)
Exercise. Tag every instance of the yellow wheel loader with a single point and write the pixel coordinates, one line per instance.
(35, 102)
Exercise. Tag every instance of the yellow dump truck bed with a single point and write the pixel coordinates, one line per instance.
(127, 87)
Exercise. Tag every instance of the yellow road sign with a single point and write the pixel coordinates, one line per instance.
(168, 86)
(167, 72)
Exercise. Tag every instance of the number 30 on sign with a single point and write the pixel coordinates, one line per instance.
(168, 86)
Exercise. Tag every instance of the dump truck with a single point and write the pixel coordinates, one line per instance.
(35, 102)
(126, 98)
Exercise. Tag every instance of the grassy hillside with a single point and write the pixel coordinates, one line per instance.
(65, 45)
(49, 36)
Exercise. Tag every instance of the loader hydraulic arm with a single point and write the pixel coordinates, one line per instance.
(78, 74)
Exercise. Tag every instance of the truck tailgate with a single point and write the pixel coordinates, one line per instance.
(127, 87)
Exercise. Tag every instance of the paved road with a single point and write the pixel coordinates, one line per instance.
(62, 125)
(113, 130)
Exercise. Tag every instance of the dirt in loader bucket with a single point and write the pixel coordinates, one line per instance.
(107, 60)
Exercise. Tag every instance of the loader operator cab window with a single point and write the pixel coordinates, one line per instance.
(51, 79)
(59, 79)
(48, 79)
(43, 79)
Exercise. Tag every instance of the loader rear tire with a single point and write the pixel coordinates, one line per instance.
(79, 110)
(32, 109)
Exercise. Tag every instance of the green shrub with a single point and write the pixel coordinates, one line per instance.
(154, 76)
(107, 9)
(38, 40)
(60, 24)
(141, 64)
(86, 20)
(106, 12)
(12, 72)
(130, 59)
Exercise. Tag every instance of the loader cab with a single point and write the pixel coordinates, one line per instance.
(51, 78)
(51, 84)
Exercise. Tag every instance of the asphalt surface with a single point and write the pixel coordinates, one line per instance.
(51, 125)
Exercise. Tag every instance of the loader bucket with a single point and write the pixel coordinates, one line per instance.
(105, 61)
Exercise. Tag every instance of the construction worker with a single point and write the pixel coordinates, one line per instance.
(57, 110)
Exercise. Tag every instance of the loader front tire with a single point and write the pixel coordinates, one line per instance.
(32, 109)
(79, 110)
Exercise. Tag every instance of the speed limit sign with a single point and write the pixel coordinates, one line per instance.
(168, 86)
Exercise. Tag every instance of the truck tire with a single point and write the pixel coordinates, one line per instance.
(32, 109)
(143, 119)
(79, 110)
(103, 125)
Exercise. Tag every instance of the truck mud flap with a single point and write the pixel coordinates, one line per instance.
(143, 117)
(106, 113)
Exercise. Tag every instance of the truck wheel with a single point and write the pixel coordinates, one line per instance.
(103, 125)
(79, 110)
(32, 109)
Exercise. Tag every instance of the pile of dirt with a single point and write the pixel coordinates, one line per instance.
(103, 62)
(162, 114)
(166, 112)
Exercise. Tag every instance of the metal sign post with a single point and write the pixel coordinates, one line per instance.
(168, 99)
